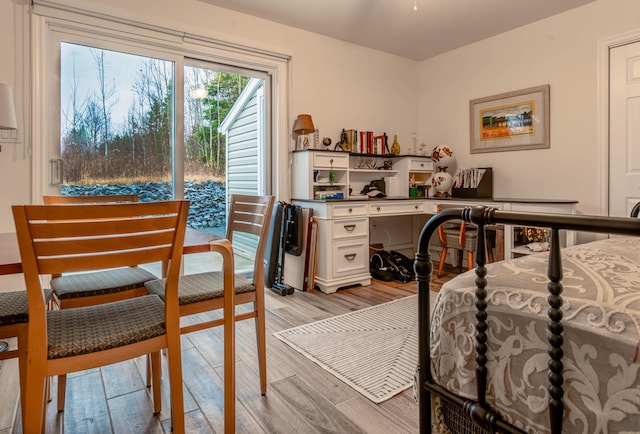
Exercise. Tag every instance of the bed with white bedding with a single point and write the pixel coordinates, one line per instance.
(524, 346)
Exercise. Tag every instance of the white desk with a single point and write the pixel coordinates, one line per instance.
(344, 228)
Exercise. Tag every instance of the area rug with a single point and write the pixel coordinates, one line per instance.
(374, 350)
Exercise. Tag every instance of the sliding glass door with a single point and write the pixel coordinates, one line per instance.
(160, 127)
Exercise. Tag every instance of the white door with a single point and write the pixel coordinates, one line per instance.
(624, 129)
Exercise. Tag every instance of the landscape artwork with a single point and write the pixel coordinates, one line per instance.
(511, 121)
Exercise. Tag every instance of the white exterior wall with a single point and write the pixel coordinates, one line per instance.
(242, 152)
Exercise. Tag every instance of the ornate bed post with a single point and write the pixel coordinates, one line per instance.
(423, 267)
(556, 406)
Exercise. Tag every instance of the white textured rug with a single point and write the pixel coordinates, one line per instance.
(374, 350)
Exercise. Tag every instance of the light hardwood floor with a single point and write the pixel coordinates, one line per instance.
(301, 398)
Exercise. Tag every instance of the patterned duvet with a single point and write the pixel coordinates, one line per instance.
(601, 293)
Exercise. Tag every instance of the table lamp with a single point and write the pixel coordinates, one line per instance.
(442, 180)
(303, 125)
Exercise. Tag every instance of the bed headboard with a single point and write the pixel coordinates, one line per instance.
(480, 411)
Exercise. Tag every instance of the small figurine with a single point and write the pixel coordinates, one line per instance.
(343, 144)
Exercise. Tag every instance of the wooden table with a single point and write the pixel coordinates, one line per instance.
(195, 241)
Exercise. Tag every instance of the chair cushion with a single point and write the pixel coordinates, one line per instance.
(453, 238)
(84, 330)
(100, 282)
(14, 306)
(194, 288)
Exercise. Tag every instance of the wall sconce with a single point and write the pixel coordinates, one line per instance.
(7, 111)
(7, 108)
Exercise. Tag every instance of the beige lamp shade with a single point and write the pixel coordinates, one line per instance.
(7, 109)
(303, 125)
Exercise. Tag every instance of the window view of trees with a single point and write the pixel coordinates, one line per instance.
(209, 96)
(117, 126)
(117, 112)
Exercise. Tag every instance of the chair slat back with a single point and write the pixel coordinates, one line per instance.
(56, 239)
(251, 215)
(59, 199)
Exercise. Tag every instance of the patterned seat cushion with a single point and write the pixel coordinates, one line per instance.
(194, 288)
(84, 330)
(14, 306)
(100, 282)
(453, 238)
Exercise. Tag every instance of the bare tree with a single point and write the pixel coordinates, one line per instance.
(105, 94)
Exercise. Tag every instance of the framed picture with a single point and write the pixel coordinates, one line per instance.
(510, 121)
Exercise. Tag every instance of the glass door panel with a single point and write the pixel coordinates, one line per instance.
(116, 123)
(223, 146)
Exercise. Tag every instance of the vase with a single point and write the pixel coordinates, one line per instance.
(442, 181)
(395, 147)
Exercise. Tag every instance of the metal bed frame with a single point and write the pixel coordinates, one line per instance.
(478, 416)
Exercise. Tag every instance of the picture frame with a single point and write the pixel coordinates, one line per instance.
(511, 121)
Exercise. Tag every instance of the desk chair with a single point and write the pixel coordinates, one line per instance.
(209, 291)
(463, 238)
(97, 287)
(61, 239)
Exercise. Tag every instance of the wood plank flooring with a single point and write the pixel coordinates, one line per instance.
(301, 396)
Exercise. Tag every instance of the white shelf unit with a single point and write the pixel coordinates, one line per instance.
(365, 168)
(420, 168)
(307, 163)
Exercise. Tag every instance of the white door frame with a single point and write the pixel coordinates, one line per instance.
(602, 128)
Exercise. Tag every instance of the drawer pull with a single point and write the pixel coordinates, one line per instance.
(350, 210)
(350, 256)
(349, 228)
(378, 208)
(415, 206)
(421, 164)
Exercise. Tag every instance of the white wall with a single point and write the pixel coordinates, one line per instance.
(15, 179)
(561, 51)
(341, 85)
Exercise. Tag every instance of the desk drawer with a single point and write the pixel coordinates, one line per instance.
(420, 164)
(349, 209)
(399, 207)
(344, 228)
(326, 160)
(350, 257)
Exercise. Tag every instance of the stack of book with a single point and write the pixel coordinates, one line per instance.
(366, 142)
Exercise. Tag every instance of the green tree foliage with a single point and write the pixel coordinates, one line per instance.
(223, 91)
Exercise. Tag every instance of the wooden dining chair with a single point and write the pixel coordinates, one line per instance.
(14, 317)
(61, 239)
(248, 217)
(86, 289)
